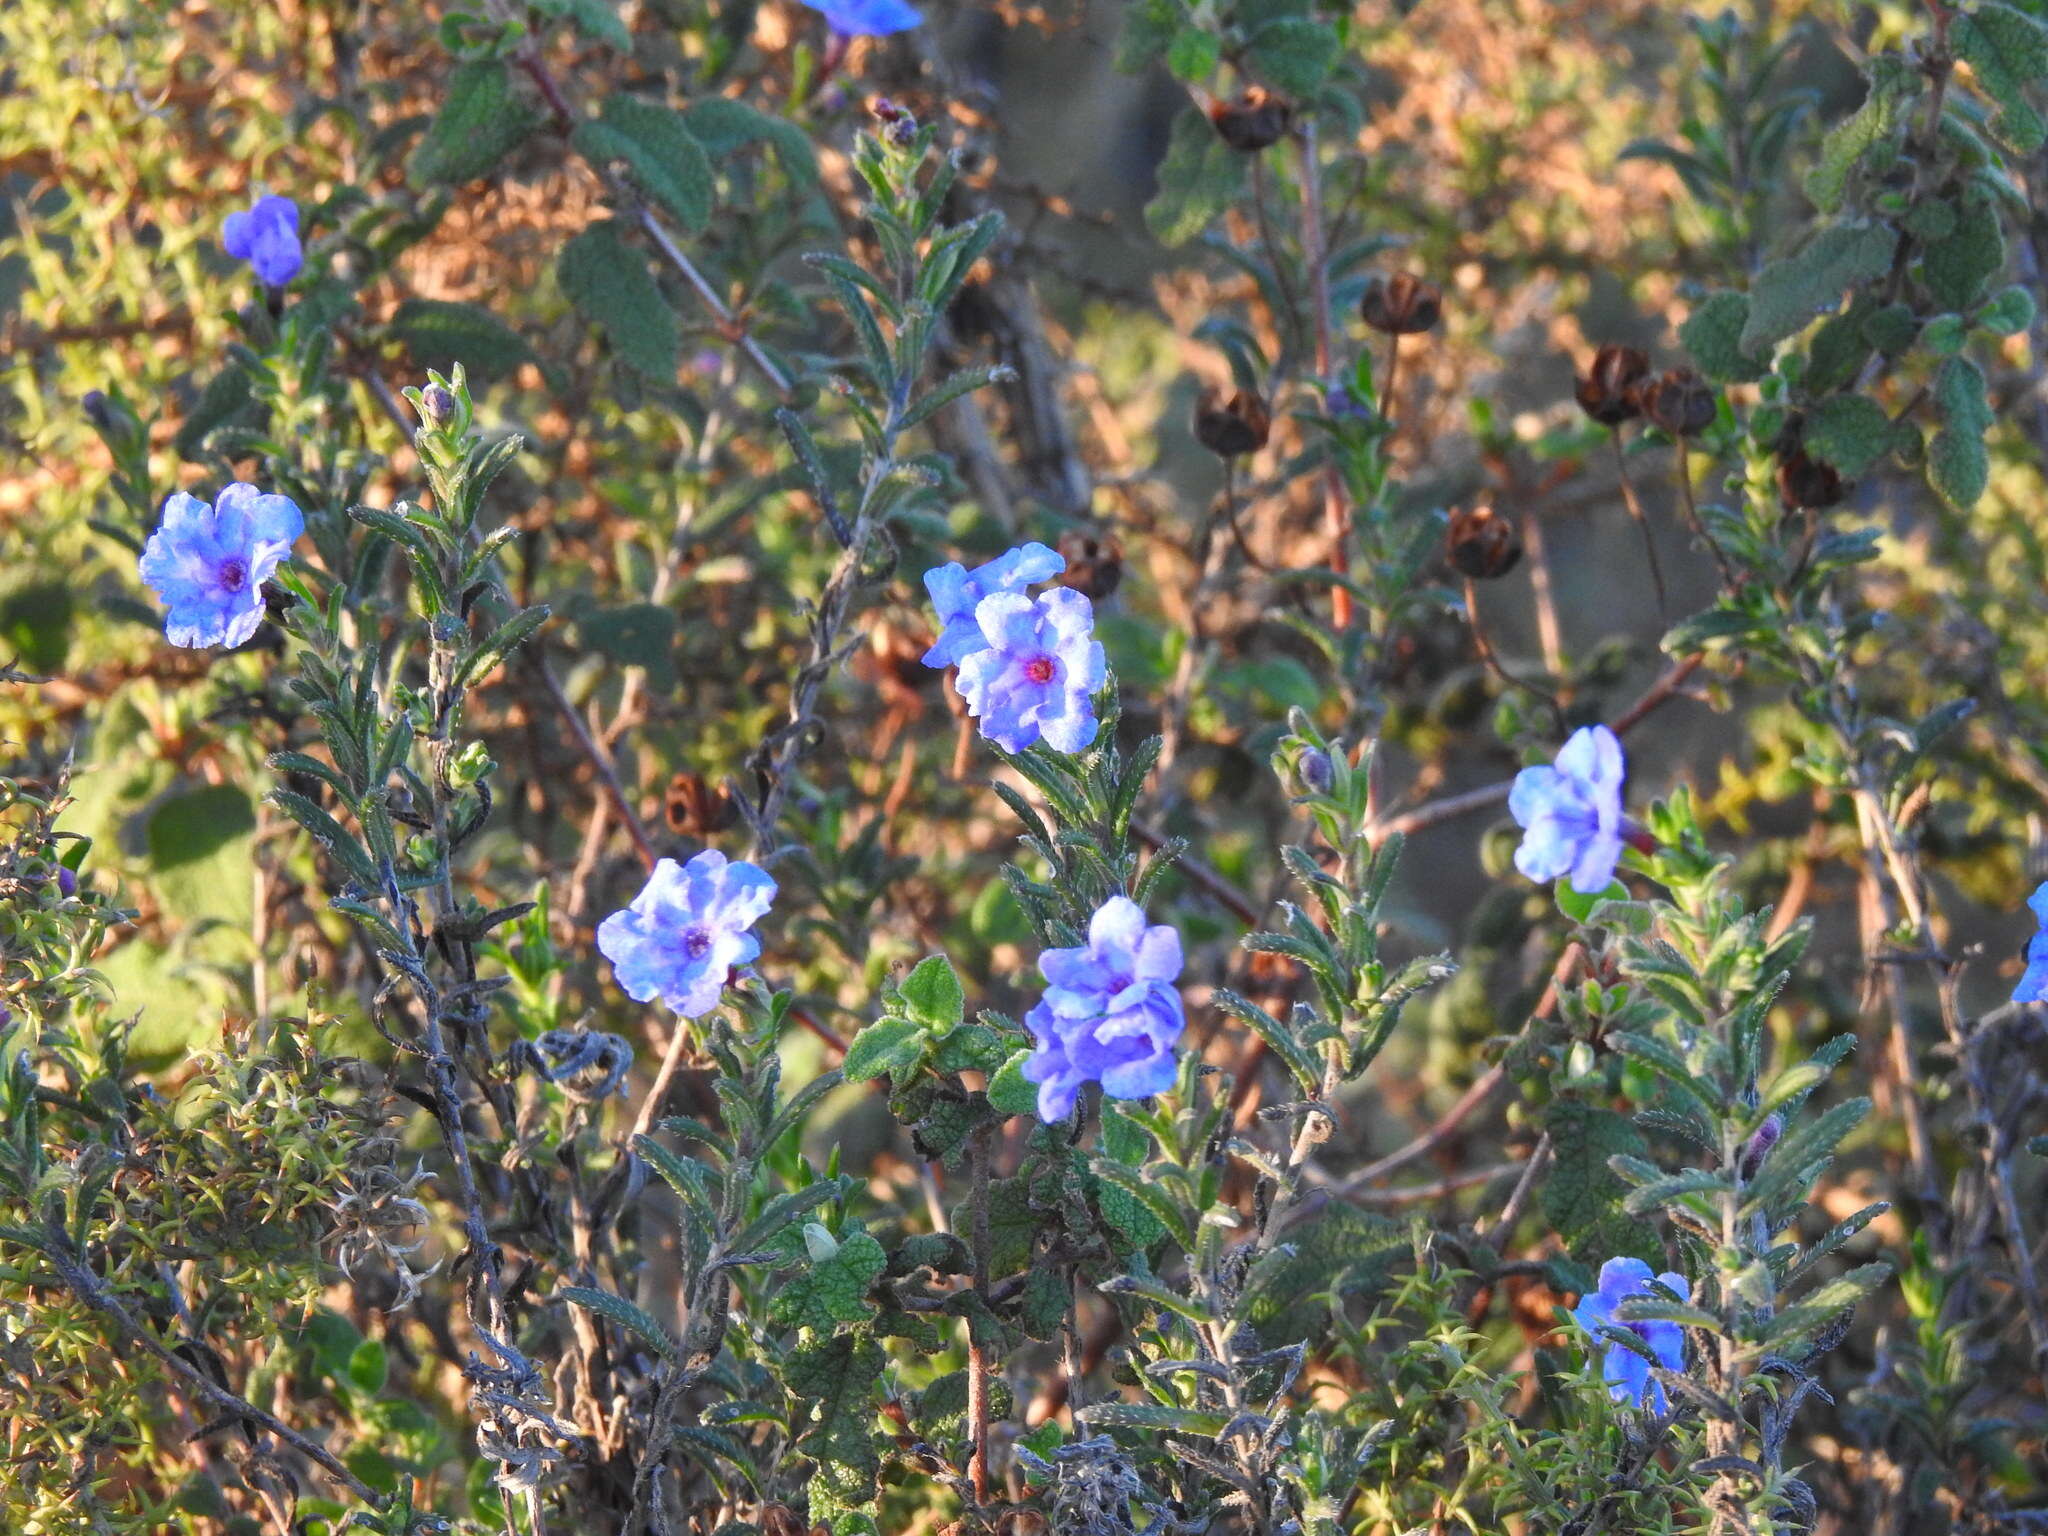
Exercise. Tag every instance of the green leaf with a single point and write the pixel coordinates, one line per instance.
(1009, 1091)
(970, 1048)
(2008, 312)
(634, 635)
(1343, 1253)
(834, 1380)
(482, 120)
(368, 1367)
(1150, 27)
(1156, 1416)
(2007, 50)
(594, 19)
(328, 833)
(1958, 267)
(439, 334)
(933, 995)
(723, 125)
(1294, 55)
(888, 1045)
(499, 644)
(1712, 333)
(1199, 178)
(633, 1319)
(607, 280)
(1193, 54)
(1958, 464)
(1851, 432)
(1148, 1194)
(664, 158)
(1579, 906)
(1792, 292)
(1869, 133)
(833, 1289)
(1582, 1195)
(1301, 1063)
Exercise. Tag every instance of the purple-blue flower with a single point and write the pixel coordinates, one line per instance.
(1034, 678)
(2033, 987)
(686, 930)
(1628, 1373)
(1111, 1012)
(956, 591)
(209, 564)
(266, 236)
(867, 18)
(1571, 813)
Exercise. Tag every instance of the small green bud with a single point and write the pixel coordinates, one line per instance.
(820, 1244)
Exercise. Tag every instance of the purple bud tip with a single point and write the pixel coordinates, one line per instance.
(1313, 767)
(1760, 1145)
(67, 882)
(437, 405)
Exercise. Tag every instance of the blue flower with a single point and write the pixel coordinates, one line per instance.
(1035, 676)
(209, 564)
(267, 237)
(1628, 1373)
(867, 18)
(686, 930)
(1571, 813)
(2033, 987)
(956, 591)
(1111, 1012)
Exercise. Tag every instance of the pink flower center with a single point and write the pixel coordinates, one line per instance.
(1039, 669)
(696, 943)
(234, 575)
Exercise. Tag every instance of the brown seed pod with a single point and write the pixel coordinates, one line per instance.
(695, 809)
(780, 1520)
(1807, 483)
(1233, 428)
(1254, 120)
(1401, 305)
(1095, 562)
(1481, 544)
(1679, 401)
(1607, 389)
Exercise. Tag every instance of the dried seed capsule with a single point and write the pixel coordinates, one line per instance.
(1095, 562)
(1679, 401)
(1236, 427)
(1253, 121)
(1607, 389)
(695, 809)
(1807, 483)
(1401, 305)
(1481, 544)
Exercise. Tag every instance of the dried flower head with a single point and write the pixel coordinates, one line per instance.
(1481, 544)
(1607, 389)
(1234, 427)
(1401, 305)
(1806, 483)
(1095, 562)
(1254, 119)
(1679, 401)
(693, 808)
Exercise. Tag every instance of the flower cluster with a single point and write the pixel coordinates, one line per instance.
(1628, 1373)
(1571, 812)
(209, 563)
(686, 930)
(1029, 666)
(266, 235)
(1111, 1012)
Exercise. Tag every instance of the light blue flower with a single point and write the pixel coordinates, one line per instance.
(2033, 987)
(1628, 1373)
(209, 563)
(266, 236)
(1035, 676)
(867, 18)
(956, 591)
(1111, 1012)
(686, 930)
(1571, 813)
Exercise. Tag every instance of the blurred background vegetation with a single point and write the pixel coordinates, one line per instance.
(1531, 157)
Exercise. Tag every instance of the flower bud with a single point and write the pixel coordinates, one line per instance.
(1607, 389)
(1401, 305)
(1095, 563)
(1760, 1145)
(1481, 544)
(437, 406)
(820, 1244)
(67, 882)
(1679, 401)
(1237, 426)
(1313, 769)
(1807, 483)
(1253, 121)
(96, 412)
